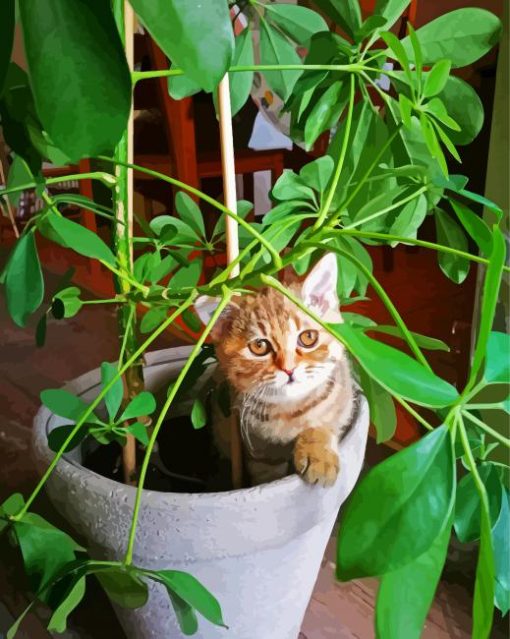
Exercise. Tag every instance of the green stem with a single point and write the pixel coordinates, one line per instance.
(384, 297)
(414, 413)
(339, 166)
(171, 396)
(98, 399)
(106, 178)
(394, 206)
(125, 277)
(127, 331)
(493, 433)
(206, 198)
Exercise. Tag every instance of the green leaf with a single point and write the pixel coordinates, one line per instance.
(185, 614)
(480, 199)
(497, 361)
(24, 284)
(290, 186)
(152, 319)
(190, 213)
(78, 238)
(276, 49)
(198, 414)
(436, 78)
(7, 20)
(500, 536)
(124, 588)
(450, 234)
(187, 276)
(464, 107)
(64, 404)
(58, 620)
(462, 36)
(139, 432)
(490, 293)
(413, 586)
(316, 174)
(406, 109)
(69, 299)
(382, 409)
(299, 23)
(429, 343)
(113, 398)
(392, 10)
(198, 40)
(429, 135)
(418, 56)
(80, 86)
(475, 226)
(325, 112)
(346, 13)
(180, 86)
(483, 600)
(398, 509)
(181, 232)
(399, 53)
(19, 175)
(45, 550)
(467, 503)
(141, 405)
(57, 436)
(397, 372)
(446, 140)
(437, 108)
(11, 506)
(192, 592)
(409, 219)
(241, 83)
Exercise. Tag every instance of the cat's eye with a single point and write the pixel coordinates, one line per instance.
(260, 347)
(308, 338)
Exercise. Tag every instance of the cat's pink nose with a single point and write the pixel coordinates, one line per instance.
(290, 373)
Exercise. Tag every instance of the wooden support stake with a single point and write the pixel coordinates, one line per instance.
(3, 180)
(129, 449)
(230, 197)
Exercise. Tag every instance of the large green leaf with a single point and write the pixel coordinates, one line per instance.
(397, 372)
(58, 620)
(124, 588)
(497, 362)
(190, 213)
(392, 10)
(413, 587)
(6, 37)
(346, 13)
(141, 405)
(76, 237)
(465, 107)
(113, 398)
(185, 614)
(24, 284)
(398, 509)
(190, 590)
(325, 112)
(450, 234)
(65, 404)
(299, 23)
(241, 83)
(382, 409)
(462, 36)
(483, 600)
(500, 537)
(316, 174)
(81, 79)
(467, 503)
(196, 37)
(276, 49)
(45, 550)
(475, 226)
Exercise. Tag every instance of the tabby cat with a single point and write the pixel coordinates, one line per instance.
(291, 379)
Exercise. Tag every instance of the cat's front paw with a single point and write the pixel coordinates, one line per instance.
(314, 459)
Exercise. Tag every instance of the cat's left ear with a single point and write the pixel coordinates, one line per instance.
(319, 288)
(205, 306)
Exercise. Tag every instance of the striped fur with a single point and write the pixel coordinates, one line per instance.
(286, 418)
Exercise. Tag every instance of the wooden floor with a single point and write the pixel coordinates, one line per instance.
(336, 611)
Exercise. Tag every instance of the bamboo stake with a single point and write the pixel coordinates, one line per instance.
(232, 235)
(125, 232)
(3, 180)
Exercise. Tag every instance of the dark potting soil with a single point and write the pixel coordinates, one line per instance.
(184, 462)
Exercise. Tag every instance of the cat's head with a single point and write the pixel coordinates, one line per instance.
(265, 343)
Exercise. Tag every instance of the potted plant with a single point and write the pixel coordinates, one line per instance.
(384, 172)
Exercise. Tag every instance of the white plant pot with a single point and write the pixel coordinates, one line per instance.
(258, 550)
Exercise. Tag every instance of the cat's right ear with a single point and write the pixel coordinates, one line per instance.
(205, 307)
